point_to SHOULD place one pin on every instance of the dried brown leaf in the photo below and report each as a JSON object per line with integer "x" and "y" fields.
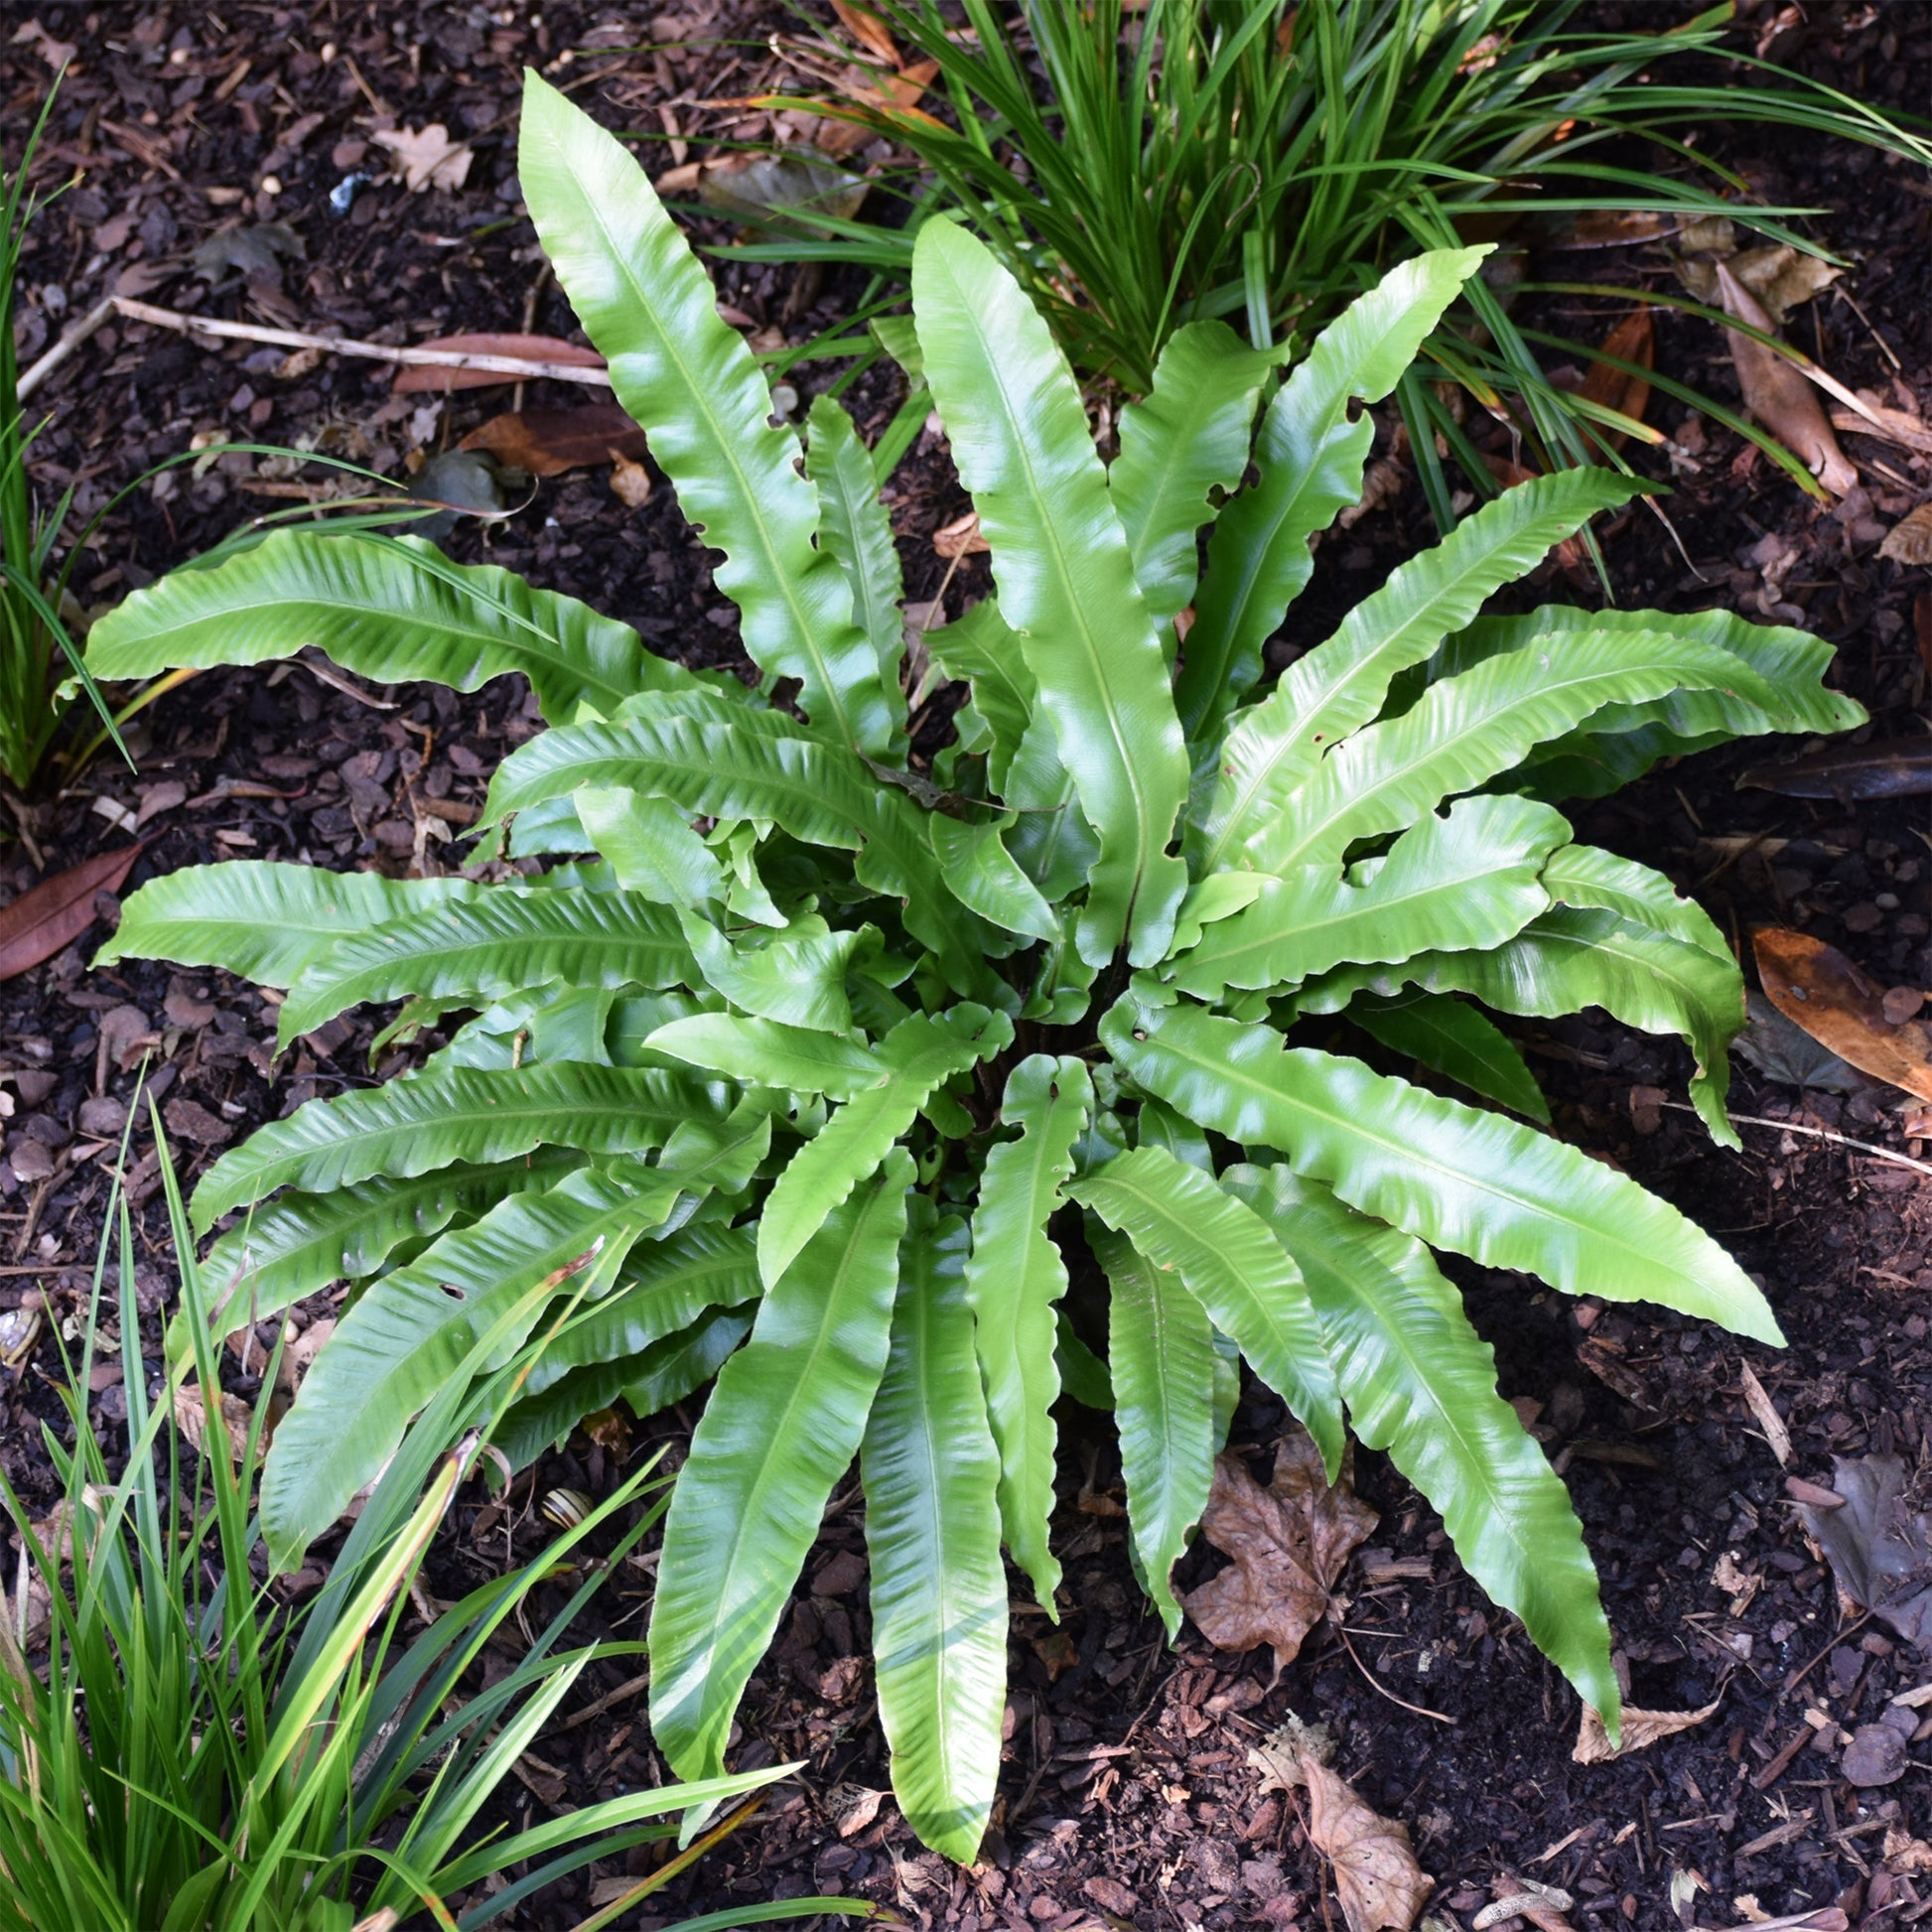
{"x": 299, "y": 1351}
{"x": 192, "y": 1419}
{"x": 1381, "y": 1887}
{"x": 1290, "y": 1542}
{"x": 629, "y": 483}
{"x": 1277, "y": 1757}
{"x": 868, "y": 30}
{"x": 1880, "y": 1547}
{"x": 1777, "y": 394}
{"x": 1821, "y": 991}
{"x": 426, "y": 157}
{"x": 1909, "y": 541}
{"x": 1633, "y": 339}
{"x": 53, "y": 914}
{"x": 1891, "y": 768}
{"x": 548, "y": 441}
{"x": 425, "y": 378}
{"x": 961, "y": 537}
{"x": 1641, "y": 1728}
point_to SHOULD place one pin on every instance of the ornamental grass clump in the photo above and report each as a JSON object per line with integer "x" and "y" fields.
{"x": 809, "y": 1040}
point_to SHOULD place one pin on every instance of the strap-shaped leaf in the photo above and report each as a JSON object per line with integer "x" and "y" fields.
{"x": 413, "y": 1330}
{"x": 263, "y": 920}
{"x": 796, "y": 977}
{"x": 477, "y": 950}
{"x": 1781, "y": 689}
{"x": 1311, "y": 456}
{"x": 1176, "y": 1216}
{"x": 854, "y": 528}
{"x": 1454, "y": 1177}
{"x": 1020, "y": 439}
{"x": 687, "y": 376}
{"x": 910, "y": 1061}
{"x": 301, "y": 1243}
{"x": 781, "y": 1427}
{"x": 938, "y": 1590}
{"x": 1468, "y": 878}
{"x": 1585, "y": 875}
{"x": 1273, "y": 748}
{"x": 981, "y": 647}
{"x": 1567, "y": 960}
{"x": 1421, "y": 1384}
{"x": 649, "y": 846}
{"x": 768, "y": 1053}
{"x": 985, "y": 877}
{"x": 820, "y": 794}
{"x": 1467, "y": 730}
{"x": 1188, "y": 437}
{"x": 445, "y": 1115}
{"x": 1452, "y": 1038}
{"x": 660, "y": 1289}
{"x": 387, "y": 609}
{"x": 665, "y": 1372}
{"x": 1013, "y": 1279}
{"x": 1161, "y": 1356}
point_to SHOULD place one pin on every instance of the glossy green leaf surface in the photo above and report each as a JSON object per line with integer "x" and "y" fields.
{"x": 1020, "y": 437}
{"x": 1585, "y": 876}
{"x": 416, "y": 1327}
{"x": 913, "y": 1058}
{"x": 650, "y": 846}
{"x": 387, "y": 609}
{"x": 1013, "y": 1278}
{"x": 475, "y": 950}
{"x": 1452, "y": 1038}
{"x": 1421, "y": 1384}
{"x": 782, "y": 1425}
{"x": 766, "y": 1052}
{"x": 1467, "y": 730}
{"x": 855, "y": 527}
{"x": 300, "y": 1243}
{"x": 795, "y": 977}
{"x": 938, "y": 1590}
{"x": 1274, "y": 749}
{"x": 1452, "y": 1176}
{"x": 1160, "y": 1357}
{"x": 1470, "y": 878}
{"x": 263, "y": 919}
{"x": 1311, "y": 456}
{"x": 1179, "y": 1220}
{"x": 1185, "y": 439}
{"x": 441, "y": 1116}
{"x": 688, "y": 377}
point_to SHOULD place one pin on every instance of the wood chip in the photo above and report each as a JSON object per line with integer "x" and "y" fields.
{"x": 1768, "y": 1418}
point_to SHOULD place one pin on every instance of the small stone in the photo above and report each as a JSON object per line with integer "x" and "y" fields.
{"x": 1900, "y": 1004}
{"x": 1875, "y": 1756}
{"x": 33, "y": 1161}
{"x": 104, "y": 1117}
{"x": 1863, "y": 917}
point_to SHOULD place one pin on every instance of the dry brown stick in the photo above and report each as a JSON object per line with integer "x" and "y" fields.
{"x": 1818, "y": 1134}
{"x": 524, "y": 367}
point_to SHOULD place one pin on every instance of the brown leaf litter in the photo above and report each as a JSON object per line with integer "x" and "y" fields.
{"x": 1641, "y": 1730}
{"x": 1377, "y": 1879}
{"x": 1878, "y": 1546}
{"x": 1290, "y": 1542}
{"x": 1777, "y": 392}
{"x": 1816, "y": 988}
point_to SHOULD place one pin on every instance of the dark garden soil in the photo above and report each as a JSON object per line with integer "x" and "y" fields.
{"x": 1128, "y": 1796}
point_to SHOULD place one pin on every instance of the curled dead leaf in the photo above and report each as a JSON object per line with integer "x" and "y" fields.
{"x": 1641, "y": 1728}
{"x": 1290, "y": 1542}
{"x": 961, "y": 537}
{"x": 1377, "y": 1879}
{"x": 1821, "y": 991}
{"x": 1909, "y": 541}
{"x": 1277, "y": 1757}
{"x": 629, "y": 483}
{"x": 1777, "y": 392}
{"x": 192, "y": 1419}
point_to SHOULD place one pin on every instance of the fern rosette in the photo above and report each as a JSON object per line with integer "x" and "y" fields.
{"x": 781, "y": 1080}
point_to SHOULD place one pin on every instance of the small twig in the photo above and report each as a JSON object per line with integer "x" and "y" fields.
{"x": 629, "y": 1689}
{"x": 1441, "y": 1717}
{"x": 1817, "y": 1134}
{"x": 522, "y": 368}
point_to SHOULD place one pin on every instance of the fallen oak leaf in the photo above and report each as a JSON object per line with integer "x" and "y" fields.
{"x": 1777, "y": 394}
{"x": 1641, "y": 1730}
{"x": 426, "y": 157}
{"x": 1377, "y": 1879}
{"x": 1821, "y": 991}
{"x": 49, "y": 916}
{"x": 1290, "y": 1542}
